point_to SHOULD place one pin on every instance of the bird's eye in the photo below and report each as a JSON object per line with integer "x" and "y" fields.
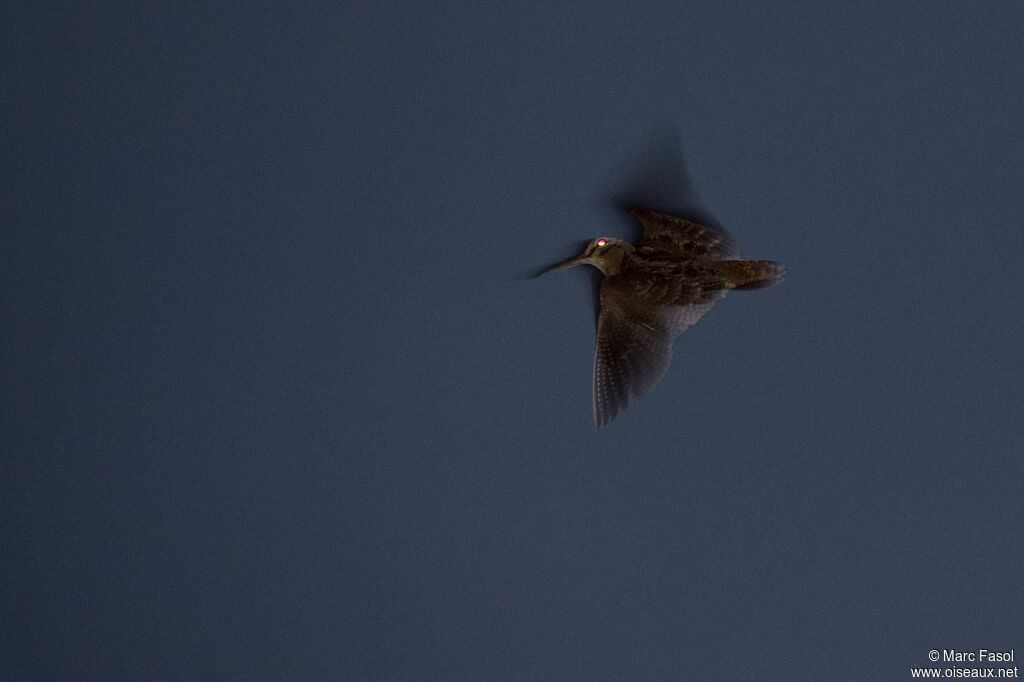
{"x": 601, "y": 242}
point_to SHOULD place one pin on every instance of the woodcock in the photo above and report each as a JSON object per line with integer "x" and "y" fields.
{"x": 651, "y": 292}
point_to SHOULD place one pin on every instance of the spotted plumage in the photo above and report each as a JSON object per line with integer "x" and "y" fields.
{"x": 651, "y": 292}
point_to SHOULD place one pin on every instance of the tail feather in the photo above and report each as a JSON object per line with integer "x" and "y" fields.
{"x": 754, "y": 274}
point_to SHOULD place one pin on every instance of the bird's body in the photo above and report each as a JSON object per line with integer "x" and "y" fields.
{"x": 651, "y": 292}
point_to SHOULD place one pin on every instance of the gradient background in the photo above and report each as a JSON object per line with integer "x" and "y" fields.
{"x": 279, "y": 403}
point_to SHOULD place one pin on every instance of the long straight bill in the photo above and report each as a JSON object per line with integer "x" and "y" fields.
{"x": 578, "y": 260}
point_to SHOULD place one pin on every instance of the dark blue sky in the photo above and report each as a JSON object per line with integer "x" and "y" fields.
{"x": 279, "y": 402}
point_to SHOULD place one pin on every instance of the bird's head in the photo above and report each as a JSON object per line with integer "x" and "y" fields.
{"x": 604, "y": 253}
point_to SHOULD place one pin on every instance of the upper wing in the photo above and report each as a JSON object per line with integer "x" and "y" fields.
{"x": 682, "y": 237}
{"x": 634, "y": 344}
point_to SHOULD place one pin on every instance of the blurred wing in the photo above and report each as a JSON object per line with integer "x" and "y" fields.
{"x": 682, "y": 237}
{"x": 679, "y": 318}
{"x": 634, "y": 345}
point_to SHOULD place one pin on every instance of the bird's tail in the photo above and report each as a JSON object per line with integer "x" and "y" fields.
{"x": 751, "y": 274}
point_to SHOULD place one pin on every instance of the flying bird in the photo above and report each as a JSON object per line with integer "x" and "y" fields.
{"x": 650, "y": 293}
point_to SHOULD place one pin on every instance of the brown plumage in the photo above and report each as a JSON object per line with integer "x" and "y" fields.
{"x": 651, "y": 292}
